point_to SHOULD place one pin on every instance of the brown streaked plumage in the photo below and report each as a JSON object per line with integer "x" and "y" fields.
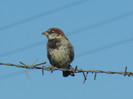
{"x": 60, "y": 52}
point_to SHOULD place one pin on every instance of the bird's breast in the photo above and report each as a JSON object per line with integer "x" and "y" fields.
{"x": 59, "y": 53}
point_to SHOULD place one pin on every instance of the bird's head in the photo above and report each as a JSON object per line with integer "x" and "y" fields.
{"x": 53, "y": 33}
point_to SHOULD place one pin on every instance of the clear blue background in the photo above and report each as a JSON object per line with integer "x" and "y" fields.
{"x": 101, "y": 32}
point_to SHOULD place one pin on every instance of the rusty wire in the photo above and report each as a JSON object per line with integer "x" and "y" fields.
{"x": 74, "y": 70}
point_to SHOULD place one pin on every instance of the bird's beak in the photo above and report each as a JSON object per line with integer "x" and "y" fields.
{"x": 45, "y": 33}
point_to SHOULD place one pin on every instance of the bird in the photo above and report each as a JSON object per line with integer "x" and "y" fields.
{"x": 60, "y": 51}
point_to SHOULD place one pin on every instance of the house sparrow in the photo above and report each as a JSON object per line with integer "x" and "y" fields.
{"x": 60, "y": 52}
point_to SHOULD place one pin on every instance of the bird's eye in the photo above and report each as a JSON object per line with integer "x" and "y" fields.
{"x": 52, "y": 31}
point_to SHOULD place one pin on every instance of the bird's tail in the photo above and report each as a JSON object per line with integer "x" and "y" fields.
{"x": 67, "y": 73}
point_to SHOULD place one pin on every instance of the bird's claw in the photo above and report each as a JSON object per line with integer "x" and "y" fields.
{"x": 72, "y": 71}
{"x": 52, "y": 69}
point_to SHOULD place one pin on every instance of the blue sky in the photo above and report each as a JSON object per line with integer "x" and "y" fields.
{"x": 101, "y": 32}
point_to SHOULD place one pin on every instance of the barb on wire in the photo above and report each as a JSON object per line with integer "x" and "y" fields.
{"x": 26, "y": 69}
{"x": 74, "y": 70}
{"x": 95, "y": 76}
{"x": 125, "y": 71}
{"x": 43, "y": 70}
{"x": 85, "y": 77}
{"x": 27, "y": 73}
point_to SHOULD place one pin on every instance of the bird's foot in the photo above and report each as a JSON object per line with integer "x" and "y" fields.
{"x": 52, "y": 69}
{"x": 73, "y": 70}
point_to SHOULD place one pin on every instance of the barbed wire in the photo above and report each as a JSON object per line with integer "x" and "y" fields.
{"x": 78, "y": 55}
{"x": 73, "y": 32}
{"x": 74, "y": 70}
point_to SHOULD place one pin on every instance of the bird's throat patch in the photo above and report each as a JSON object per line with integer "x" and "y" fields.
{"x": 54, "y": 43}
